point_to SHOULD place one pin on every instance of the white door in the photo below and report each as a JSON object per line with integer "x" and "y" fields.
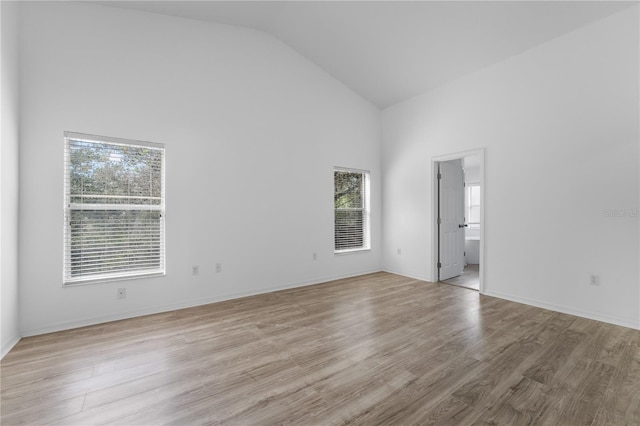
{"x": 451, "y": 214}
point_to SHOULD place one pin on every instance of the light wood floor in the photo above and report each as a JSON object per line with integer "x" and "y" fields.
{"x": 376, "y": 349}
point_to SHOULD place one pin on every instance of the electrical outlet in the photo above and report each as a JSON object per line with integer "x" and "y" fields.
{"x": 594, "y": 280}
{"x": 122, "y": 293}
{"x": 195, "y": 270}
{"x": 218, "y": 267}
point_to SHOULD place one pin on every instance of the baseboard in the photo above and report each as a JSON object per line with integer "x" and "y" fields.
{"x": 6, "y": 347}
{"x": 67, "y": 325}
{"x": 404, "y": 274}
{"x": 541, "y": 304}
{"x": 565, "y": 309}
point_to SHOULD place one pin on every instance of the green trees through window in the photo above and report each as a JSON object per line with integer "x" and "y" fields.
{"x": 114, "y": 216}
{"x": 114, "y": 174}
{"x": 351, "y": 220}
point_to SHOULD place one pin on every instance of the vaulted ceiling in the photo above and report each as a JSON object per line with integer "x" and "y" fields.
{"x": 389, "y": 51}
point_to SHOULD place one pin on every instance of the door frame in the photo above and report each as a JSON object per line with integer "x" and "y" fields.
{"x": 480, "y": 152}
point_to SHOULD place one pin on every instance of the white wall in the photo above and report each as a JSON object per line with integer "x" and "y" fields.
{"x": 471, "y": 174}
{"x": 560, "y": 126}
{"x": 9, "y": 177}
{"x": 252, "y": 133}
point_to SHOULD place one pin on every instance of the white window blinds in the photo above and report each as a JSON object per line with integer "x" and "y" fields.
{"x": 351, "y": 201}
{"x": 114, "y": 209}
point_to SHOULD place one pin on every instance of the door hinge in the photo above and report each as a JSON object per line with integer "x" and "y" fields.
{"x": 439, "y": 221}
{"x": 439, "y": 265}
{"x": 439, "y": 175}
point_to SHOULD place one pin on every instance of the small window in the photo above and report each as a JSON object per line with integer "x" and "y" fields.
{"x": 473, "y": 205}
{"x": 351, "y": 201}
{"x": 114, "y": 209}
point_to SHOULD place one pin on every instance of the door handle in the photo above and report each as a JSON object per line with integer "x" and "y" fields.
{"x": 463, "y": 226}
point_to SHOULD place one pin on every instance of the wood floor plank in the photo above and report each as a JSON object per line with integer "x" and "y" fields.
{"x": 373, "y": 349}
{"x": 450, "y": 411}
{"x": 579, "y": 399}
{"x": 605, "y": 418}
{"x": 623, "y": 395}
{"x": 44, "y": 413}
{"x": 554, "y": 357}
{"x": 520, "y": 405}
{"x": 476, "y": 391}
{"x": 415, "y": 401}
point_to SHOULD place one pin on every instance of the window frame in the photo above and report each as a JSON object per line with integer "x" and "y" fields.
{"x": 468, "y": 197}
{"x": 67, "y": 279}
{"x": 366, "y": 209}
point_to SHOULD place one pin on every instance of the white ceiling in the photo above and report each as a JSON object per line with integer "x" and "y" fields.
{"x": 388, "y": 51}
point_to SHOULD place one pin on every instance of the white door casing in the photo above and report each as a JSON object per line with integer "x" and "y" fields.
{"x": 451, "y": 214}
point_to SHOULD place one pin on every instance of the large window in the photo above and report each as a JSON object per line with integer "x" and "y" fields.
{"x": 114, "y": 209}
{"x": 351, "y": 201}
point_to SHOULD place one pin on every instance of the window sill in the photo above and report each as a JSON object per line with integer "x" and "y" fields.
{"x": 351, "y": 251}
{"x": 106, "y": 279}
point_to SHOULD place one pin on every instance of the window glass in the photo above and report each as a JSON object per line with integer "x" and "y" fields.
{"x": 351, "y": 210}
{"x": 114, "y": 209}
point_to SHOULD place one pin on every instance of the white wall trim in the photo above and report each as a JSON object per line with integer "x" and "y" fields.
{"x": 566, "y": 309}
{"x": 6, "y": 347}
{"x": 67, "y": 325}
{"x": 404, "y": 274}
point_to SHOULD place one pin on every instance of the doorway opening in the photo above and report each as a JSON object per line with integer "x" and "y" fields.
{"x": 458, "y": 212}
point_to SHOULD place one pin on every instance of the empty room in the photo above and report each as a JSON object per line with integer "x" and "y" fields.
{"x": 320, "y": 212}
